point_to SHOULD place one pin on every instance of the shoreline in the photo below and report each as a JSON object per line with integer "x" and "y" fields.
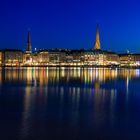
{"x": 72, "y": 66}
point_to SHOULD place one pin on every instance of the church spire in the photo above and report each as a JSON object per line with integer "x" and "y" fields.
{"x": 97, "y": 41}
{"x": 28, "y": 48}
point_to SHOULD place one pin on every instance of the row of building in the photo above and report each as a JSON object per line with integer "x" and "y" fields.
{"x": 65, "y": 57}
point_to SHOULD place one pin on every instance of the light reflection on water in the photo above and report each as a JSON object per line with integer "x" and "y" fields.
{"x": 58, "y": 100}
{"x": 85, "y": 75}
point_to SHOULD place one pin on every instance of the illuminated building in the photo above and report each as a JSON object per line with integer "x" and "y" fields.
{"x": 12, "y": 57}
{"x": 101, "y": 58}
{"x": 35, "y": 59}
{"x": 43, "y": 57}
{"x": 137, "y": 59}
{"x": 111, "y": 59}
{"x": 57, "y": 57}
{"x": 69, "y": 58}
{"x": 75, "y": 57}
{"x": 28, "y": 58}
{"x": 126, "y": 59}
{"x": 90, "y": 58}
{"x": 0, "y": 58}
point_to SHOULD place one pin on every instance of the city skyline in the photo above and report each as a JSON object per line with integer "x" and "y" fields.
{"x": 70, "y": 24}
{"x": 69, "y": 69}
{"x": 97, "y": 45}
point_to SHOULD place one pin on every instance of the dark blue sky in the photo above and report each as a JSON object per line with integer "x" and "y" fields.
{"x": 70, "y": 23}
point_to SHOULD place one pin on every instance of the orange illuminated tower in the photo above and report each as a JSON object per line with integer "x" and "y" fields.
{"x": 28, "y": 47}
{"x": 97, "y": 41}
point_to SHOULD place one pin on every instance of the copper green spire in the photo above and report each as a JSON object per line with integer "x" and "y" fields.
{"x": 97, "y": 41}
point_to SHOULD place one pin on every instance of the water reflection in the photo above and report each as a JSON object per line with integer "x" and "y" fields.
{"x": 88, "y": 97}
{"x": 44, "y": 76}
{"x": 26, "y": 113}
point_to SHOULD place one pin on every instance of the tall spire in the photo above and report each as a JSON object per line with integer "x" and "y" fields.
{"x": 28, "y": 48}
{"x": 97, "y": 41}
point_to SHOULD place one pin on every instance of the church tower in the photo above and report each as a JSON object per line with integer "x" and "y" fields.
{"x": 28, "y": 56}
{"x": 97, "y": 41}
{"x": 28, "y": 47}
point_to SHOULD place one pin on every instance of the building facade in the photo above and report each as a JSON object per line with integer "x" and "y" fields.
{"x": 0, "y": 58}
{"x": 12, "y": 57}
{"x": 43, "y": 57}
{"x": 126, "y": 59}
{"x": 111, "y": 59}
{"x": 137, "y": 59}
{"x": 129, "y": 60}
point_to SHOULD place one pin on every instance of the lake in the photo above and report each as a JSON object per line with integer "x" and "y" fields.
{"x": 69, "y": 104}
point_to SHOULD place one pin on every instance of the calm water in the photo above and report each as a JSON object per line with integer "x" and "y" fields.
{"x": 69, "y": 104}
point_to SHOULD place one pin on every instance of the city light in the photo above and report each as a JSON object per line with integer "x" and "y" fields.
{"x": 95, "y": 57}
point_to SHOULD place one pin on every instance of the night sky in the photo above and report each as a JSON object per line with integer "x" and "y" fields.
{"x": 70, "y": 24}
